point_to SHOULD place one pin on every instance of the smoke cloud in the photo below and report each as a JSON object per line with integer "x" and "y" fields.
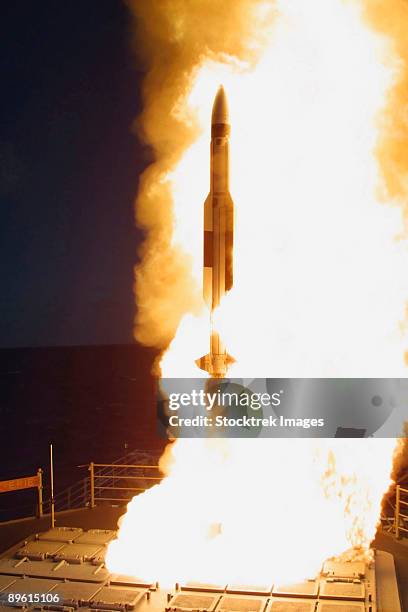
{"x": 391, "y": 19}
{"x": 321, "y": 284}
{"x": 392, "y": 151}
{"x": 173, "y": 38}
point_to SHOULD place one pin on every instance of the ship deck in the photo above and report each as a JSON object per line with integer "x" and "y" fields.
{"x": 67, "y": 563}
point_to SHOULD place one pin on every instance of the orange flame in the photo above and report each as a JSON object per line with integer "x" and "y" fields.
{"x": 254, "y": 511}
{"x": 320, "y": 282}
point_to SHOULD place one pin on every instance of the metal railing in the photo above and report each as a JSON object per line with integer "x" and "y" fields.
{"x": 394, "y": 519}
{"x": 79, "y": 495}
{"x": 401, "y": 518}
{"x": 122, "y": 483}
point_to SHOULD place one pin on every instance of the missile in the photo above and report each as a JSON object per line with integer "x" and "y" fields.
{"x": 218, "y": 234}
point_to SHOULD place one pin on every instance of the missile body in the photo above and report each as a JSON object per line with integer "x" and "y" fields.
{"x": 218, "y": 234}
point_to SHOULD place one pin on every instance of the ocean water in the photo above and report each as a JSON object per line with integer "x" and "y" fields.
{"x": 93, "y": 403}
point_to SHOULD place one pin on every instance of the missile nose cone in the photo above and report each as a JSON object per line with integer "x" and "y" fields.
{"x": 220, "y": 108}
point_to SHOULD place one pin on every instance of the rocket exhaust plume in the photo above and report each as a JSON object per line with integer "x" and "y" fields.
{"x": 319, "y": 170}
{"x": 313, "y": 96}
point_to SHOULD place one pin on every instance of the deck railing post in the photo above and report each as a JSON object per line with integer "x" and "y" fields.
{"x": 397, "y": 511}
{"x": 92, "y": 479}
{"x": 52, "y": 487}
{"x": 40, "y": 493}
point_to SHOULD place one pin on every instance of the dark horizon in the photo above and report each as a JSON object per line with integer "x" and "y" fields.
{"x": 70, "y": 164}
{"x": 72, "y": 346}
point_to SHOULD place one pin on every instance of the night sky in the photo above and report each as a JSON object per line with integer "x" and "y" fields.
{"x": 69, "y": 168}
